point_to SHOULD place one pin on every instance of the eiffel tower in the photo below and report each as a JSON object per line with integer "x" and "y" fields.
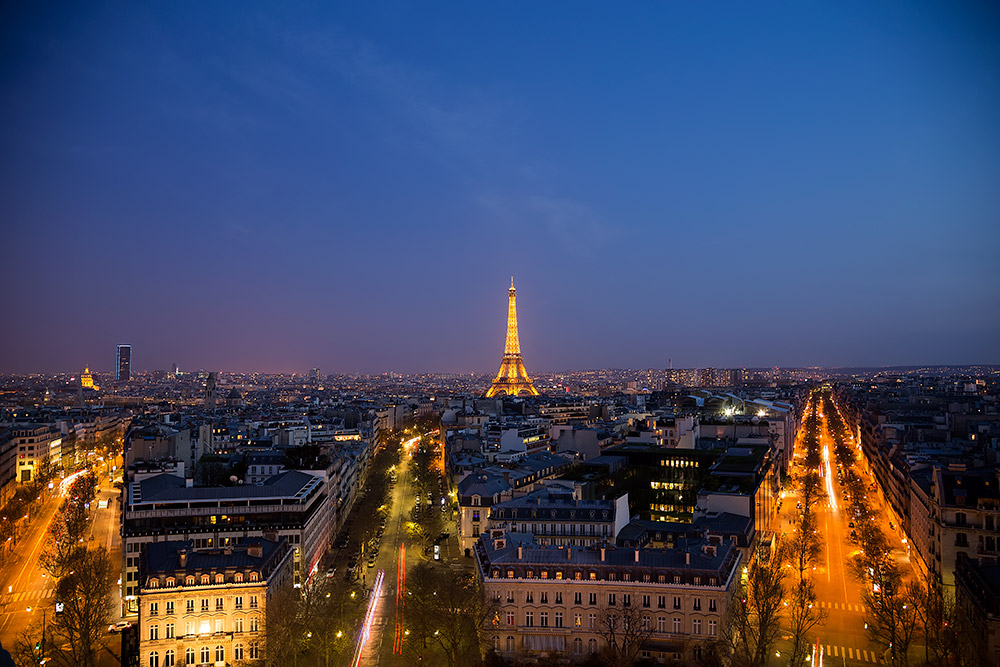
{"x": 512, "y": 379}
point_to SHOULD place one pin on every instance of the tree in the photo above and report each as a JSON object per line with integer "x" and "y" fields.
{"x": 284, "y": 628}
{"x": 891, "y": 618}
{"x": 29, "y": 647}
{"x": 623, "y": 629}
{"x": 755, "y": 614}
{"x": 803, "y": 615}
{"x": 938, "y": 618}
{"x": 330, "y": 615}
{"x": 61, "y": 551}
{"x": 803, "y": 548}
{"x": 446, "y": 613}
{"x": 81, "y": 628}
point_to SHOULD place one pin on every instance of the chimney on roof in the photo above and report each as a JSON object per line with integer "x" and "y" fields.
{"x": 188, "y": 482}
{"x": 602, "y": 554}
{"x": 182, "y": 554}
{"x": 569, "y": 553}
{"x": 637, "y": 554}
{"x": 520, "y": 552}
{"x": 687, "y": 557}
{"x": 255, "y": 550}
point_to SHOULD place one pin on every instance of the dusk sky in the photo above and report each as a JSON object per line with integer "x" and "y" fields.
{"x": 268, "y": 186}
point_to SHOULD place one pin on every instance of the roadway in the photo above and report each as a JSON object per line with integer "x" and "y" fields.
{"x": 27, "y": 590}
{"x": 843, "y": 635}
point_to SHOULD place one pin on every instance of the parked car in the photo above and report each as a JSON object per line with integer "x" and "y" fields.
{"x": 119, "y": 626}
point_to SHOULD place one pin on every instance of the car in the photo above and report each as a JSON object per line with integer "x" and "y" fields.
{"x": 119, "y": 626}
{"x": 330, "y": 572}
{"x": 371, "y": 562}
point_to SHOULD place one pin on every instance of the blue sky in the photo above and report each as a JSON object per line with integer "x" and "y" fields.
{"x": 243, "y": 186}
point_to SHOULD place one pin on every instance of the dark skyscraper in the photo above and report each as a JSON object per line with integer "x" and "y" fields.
{"x": 123, "y": 369}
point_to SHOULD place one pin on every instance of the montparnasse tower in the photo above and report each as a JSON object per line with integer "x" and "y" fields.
{"x": 512, "y": 379}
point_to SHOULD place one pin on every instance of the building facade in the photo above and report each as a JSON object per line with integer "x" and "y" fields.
{"x": 209, "y": 606}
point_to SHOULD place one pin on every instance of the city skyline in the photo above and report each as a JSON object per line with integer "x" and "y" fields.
{"x": 237, "y": 187}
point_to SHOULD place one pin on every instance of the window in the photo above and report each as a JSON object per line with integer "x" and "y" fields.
{"x": 961, "y": 540}
{"x": 591, "y": 646}
{"x": 529, "y": 597}
{"x": 238, "y": 652}
{"x": 171, "y": 582}
{"x": 645, "y": 623}
{"x": 204, "y": 604}
{"x": 510, "y": 618}
{"x": 189, "y": 580}
{"x": 510, "y": 644}
{"x": 577, "y": 598}
{"x": 219, "y": 604}
{"x": 154, "y": 608}
{"x": 661, "y": 601}
{"x": 544, "y": 616}
{"x": 205, "y": 579}
{"x": 626, "y": 599}
{"x": 558, "y": 598}
{"x": 529, "y": 618}
{"x": 205, "y": 653}
{"x": 577, "y": 620}
{"x": 220, "y": 654}
{"x": 661, "y": 624}
{"x": 697, "y": 581}
{"x": 238, "y": 602}
{"x": 238, "y": 578}
{"x": 168, "y": 631}
{"x": 676, "y": 625}
{"x": 611, "y": 599}
{"x": 154, "y": 659}
{"x": 189, "y": 607}
{"x": 154, "y": 632}
{"x": 677, "y": 602}
{"x": 189, "y": 656}
{"x": 220, "y": 578}
{"x": 254, "y": 651}
{"x": 238, "y": 624}
{"x": 254, "y": 577}
{"x": 713, "y": 628}
{"x": 168, "y": 658}
{"x": 696, "y": 626}
{"x": 697, "y": 604}
{"x": 545, "y": 598}
{"x": 189, "y": 628}
{"x": 645, "y": 602}
{"x": 218, "y": 624}
{"x": 593, "y": 598}
{"x": 253, "y": 601}
{"x": 711, "y": 605}
{"x": 170, "y": 608}
{"x": 959, "y": 519}
{"x": 254, "y": 624}
{"x": 577, "y": 646}
{"x": 591, "y": 621}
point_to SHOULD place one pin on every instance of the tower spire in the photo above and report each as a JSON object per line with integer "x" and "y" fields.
{"x": 512, "y": 379}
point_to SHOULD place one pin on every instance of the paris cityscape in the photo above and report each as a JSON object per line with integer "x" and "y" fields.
{"x": 489, "y": 336}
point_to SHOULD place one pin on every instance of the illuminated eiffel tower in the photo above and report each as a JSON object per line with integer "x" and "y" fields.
{"x": 512, "y": 379}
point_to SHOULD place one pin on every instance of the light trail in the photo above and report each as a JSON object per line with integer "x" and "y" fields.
{"x": 64, "y": 486}
{"x": 397, "y": 642}
{"x": 369, "y": 617}
{"x": 829, "y": 478}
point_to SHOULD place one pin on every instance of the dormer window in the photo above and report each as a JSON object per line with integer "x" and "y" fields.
{"x": 205, "y": 579}
{"x": 254, "y": 576}
{"x": 220, "y": 578}
{"x": 476, "y": 501}
{"x": 171, "y": 582}
{"x": 238, "y": 577}
{"x": 189, "y": 580}
{"x": 154, "y": 583}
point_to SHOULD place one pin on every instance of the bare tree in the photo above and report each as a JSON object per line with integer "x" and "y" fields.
{"x": 802, "y": 550}
{"x": 85, "y": 592}
{"x": 890, "y": 616}
{"x": 284, "y": 629}
{"x": 330, "y": 615}
{"x": 803, "y": 616}
{"x": 756, "y": 612}
{"x": 29, "y": 647}
{"x": 624, "y": 629}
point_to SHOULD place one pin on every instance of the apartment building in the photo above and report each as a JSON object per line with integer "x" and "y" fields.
{"x": 209, "y": 606}
{"x": 553, "y": 598}
{"x": 294, "y": 505}
{"x": 36, "y": 444}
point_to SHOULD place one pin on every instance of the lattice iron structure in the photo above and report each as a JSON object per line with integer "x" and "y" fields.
{"x": 512, "y": 379}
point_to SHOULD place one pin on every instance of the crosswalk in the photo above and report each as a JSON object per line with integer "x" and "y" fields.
{"x": 850, "y": 653}
{"x": 28, "y": 596}
{"x": 843, "y": 606}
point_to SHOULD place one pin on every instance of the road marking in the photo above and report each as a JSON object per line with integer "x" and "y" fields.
{"x": 866, "y": 655}
{"x": 850, "y": 653}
